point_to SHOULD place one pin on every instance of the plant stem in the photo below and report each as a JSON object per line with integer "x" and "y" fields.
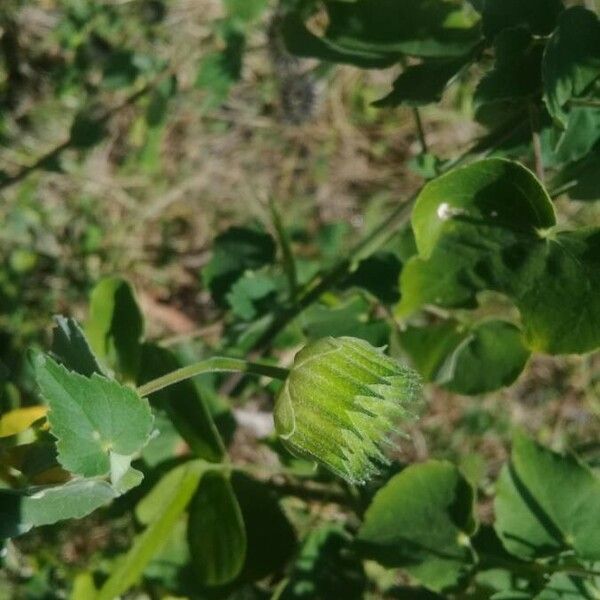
{"x": 533, "y": 567}
{"x": 420, "y": 130}
{"x": 535, "y": 139}
{"x": 216, "y": 364}
{"x": 586, "y": 102}
{"x": 373, "y": 241}
{"x": 289, "y": 264}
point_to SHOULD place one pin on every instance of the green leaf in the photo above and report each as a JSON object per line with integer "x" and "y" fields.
{"x": 247, "y": 292}
{"x": 218, "y": 71}
{"x": 246, "y": 11}
{"x": 270, "y": 537}
{"x": 539, "y": 15}
{"x": 547, "y": 503}
{"x": 97, "y": 422}
{"x": 421, "y": 521}
{"x": 216, "y": 533}
{"x": 568, "y": 587}
{"x": 236, "y": 250}
{"x": 327, "y": 567}
{"x": 350, "y": 318}
{"x": 70, "y": 347}
{"x": 115, "y": 325}
{"x": 424, "y": 83}
{"x": 86, "y": 131}
{"x": 21, "y": 510}
{"x": 572, "y": 60}
{"x": 120, "y": 69}
{"x": 516, "y": 77}
{"x": 483, "y": 227}
{"x": 495, "y": 191}
{"x": 183, "y": 404}
{"x": 159, "y": 100}
{"x": 467, "y": 359}
{"x": 299, "y": 40}
{"x": 580, "y": 136}
{"x": 378, "y": 275}
{"x": 435, "y": 28}
{"x": 129, "y": 568}
{"x": 581, "y": 179}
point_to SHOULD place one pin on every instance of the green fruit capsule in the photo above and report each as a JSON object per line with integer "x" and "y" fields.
{"x": 341, "y": 403}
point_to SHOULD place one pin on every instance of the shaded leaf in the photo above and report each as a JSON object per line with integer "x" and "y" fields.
{"x": 327, "y": 567}
{"x": 540, "y": 16}
{"x": 349, "y": 318}
{"x": 487, "y": 226}
{"x": 377, "y": 274}
{"x": 547, "y": 503}
{"x": 183, "y": 403}
{"x": 236, "y": 250}
{"x": 516, "y": 75}
{"x": 120, "y": 70}
{"x": 218, "y": 71}
{"x": 581, "y": 134}
{"x": 248, "y": 291}
{"x": 467, "y": 359}
{"x": 424, "y": 83}
{"x": 115, "y": 325}
{"x": 572, "y": 59}
{"x": 434, "y": 28}
{"x": 581, "y": 179}
{"x": 70, "y": 347}
{"x": 86, "y": 131}
{"x": 271, "y": 540}
{"x": 21, "y": 510}
{"x": 302, "y": 42}
{"x": 245, "y": 10}
{"x": 421, "y": 521}
{"x": 563, "y": 586}
{"x": 216, "y": 533}
{"x": 129, "y": 568}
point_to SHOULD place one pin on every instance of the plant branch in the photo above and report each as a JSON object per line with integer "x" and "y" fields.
{"x": 216, "y": 364}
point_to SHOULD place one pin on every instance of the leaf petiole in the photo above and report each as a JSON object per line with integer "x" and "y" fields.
{"x": 215, "y": 364}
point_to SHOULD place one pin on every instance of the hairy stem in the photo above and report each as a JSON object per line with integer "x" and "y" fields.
{"x": 216, "y": 364}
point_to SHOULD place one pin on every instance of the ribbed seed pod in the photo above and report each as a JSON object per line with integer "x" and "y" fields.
{"x": 341, "y": 402}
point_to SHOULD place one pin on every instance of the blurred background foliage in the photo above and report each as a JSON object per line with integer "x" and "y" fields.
{"x": 179, "y": 144}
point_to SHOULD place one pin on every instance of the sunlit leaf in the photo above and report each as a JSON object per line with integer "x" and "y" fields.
{"x": 489, "y": 226}
{"x": 98, "y": 423}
